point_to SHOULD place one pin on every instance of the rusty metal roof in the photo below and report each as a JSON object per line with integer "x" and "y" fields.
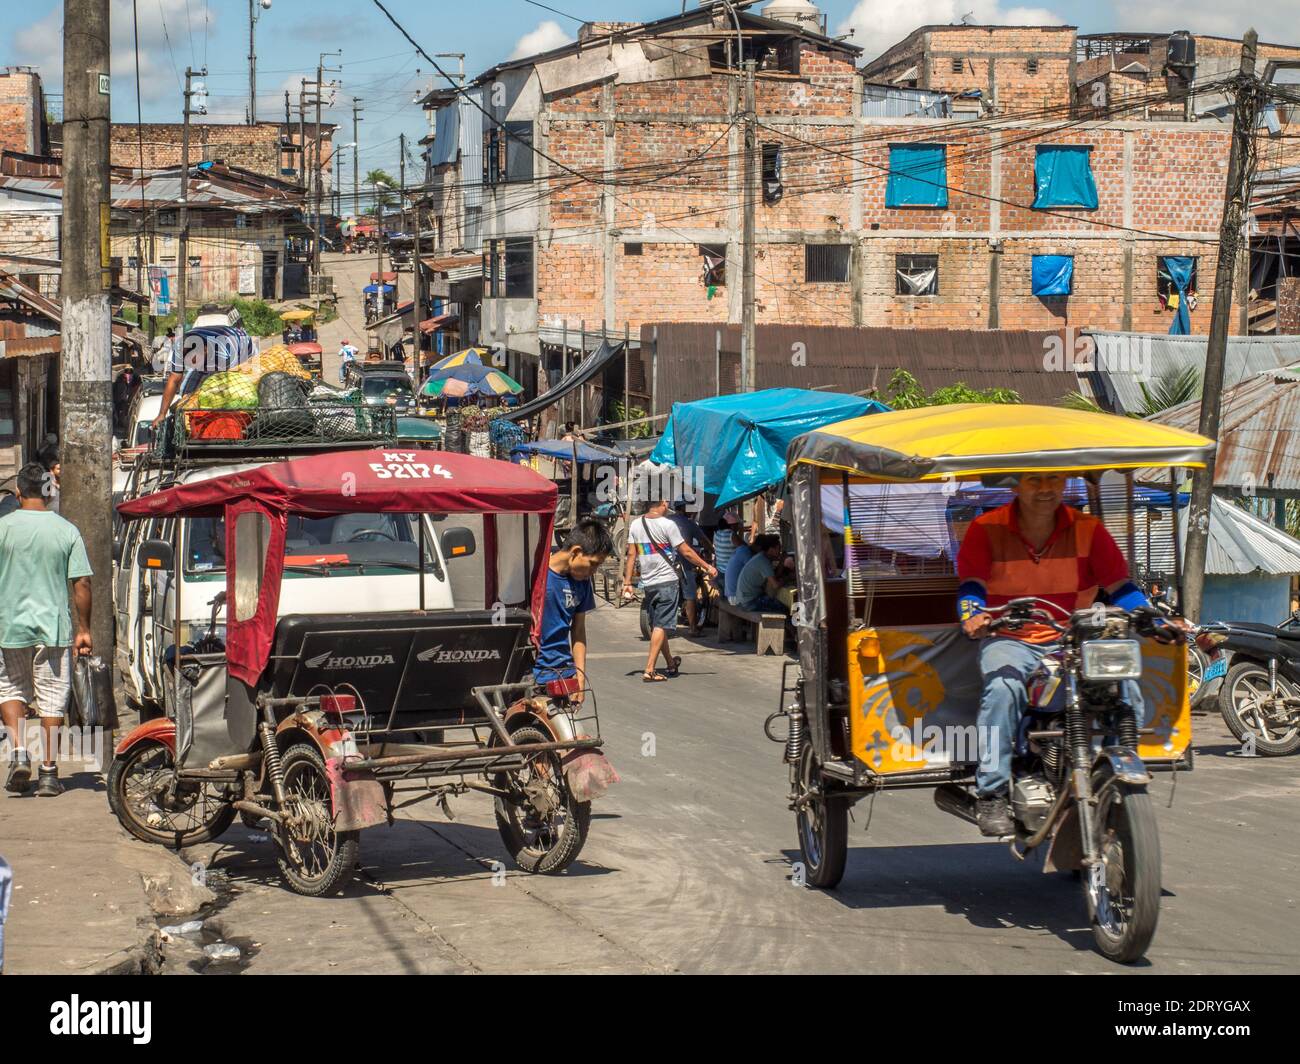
{"x": 1259, "y": 432}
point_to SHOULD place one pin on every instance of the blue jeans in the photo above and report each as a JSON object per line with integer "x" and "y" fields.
{"x": 1005, "y": 665}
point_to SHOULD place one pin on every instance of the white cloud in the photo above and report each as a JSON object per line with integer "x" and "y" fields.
{"x": 880, "y": 24}
{"x": 546, "y": 36}
{"x": 40, "y": 45}
{"x": 1275, "y": 20}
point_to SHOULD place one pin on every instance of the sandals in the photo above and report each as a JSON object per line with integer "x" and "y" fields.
{"x": 675, "y": 668}
{"x": 653, "y": 677}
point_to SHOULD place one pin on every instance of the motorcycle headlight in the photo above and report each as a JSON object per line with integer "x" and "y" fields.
{"x": 1112, "y": 659}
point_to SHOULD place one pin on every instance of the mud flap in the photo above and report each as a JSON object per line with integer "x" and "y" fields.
{"x": 357, "y": 797}
{"x": 1065, "y": 852}
{"x": 588, "y": 773}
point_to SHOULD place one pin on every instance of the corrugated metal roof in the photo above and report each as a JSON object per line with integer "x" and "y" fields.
{"x": 892, "y": 101}
{"x": 1124, "y": 361}
{"x": 1259, "y": 432}
{"x": 1239, "y": 544}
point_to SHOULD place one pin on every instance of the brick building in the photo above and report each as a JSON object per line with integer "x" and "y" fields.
{"x": 601, "y": 184}
{"x": 273, "y": 149}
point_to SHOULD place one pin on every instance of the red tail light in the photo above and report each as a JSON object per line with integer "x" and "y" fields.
{"x": 338, "y": 703}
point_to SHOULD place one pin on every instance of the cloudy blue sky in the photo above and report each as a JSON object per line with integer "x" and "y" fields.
{"x": 386, "y": 73}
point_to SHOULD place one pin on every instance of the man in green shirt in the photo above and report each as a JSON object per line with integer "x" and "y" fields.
{"x": 39, "y": 553}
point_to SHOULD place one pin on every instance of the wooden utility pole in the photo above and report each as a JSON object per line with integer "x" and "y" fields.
{"x": 85, "y": 361}
{"x": 1236, "y": 199}
{"x": 748, "y": 355}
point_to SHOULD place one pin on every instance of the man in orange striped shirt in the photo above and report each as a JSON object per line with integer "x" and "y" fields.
{"x": 1035, "y": 545}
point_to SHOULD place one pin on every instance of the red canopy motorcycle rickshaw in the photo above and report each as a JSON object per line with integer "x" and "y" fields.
{"x": 314, "y": 723}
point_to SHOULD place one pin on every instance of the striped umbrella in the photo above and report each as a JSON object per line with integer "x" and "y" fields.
{"x": 471, "y": 356}
{"x": 470, "y": 380}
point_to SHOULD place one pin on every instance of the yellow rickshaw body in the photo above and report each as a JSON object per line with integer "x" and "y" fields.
{"x": 912, "y": 681}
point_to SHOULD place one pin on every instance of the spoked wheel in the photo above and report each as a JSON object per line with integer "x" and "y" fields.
{"x": 544, "y": 830}
{"x": 1196, "y": 666}
{"x": 823, "y": 824}
{"x": 1124, "y": 889}
{"x": 1244, "y": 703}
{"x": 314, "y": 859}
{"x": 153, "y": 806}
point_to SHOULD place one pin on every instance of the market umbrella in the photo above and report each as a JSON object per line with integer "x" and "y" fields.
{"x": 371, "y": 289}
{"x": 471, "y": 356}
{"x": 468, "y": 380}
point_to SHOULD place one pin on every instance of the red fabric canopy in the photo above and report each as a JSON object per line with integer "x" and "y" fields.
{"x": 389, "y": 277}
{"x": 383, "y": 480}
{"x": 305, "y": 347}
{"x": 368, "y": 481}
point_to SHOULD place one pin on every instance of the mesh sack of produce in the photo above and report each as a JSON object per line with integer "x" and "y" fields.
{"x": 227, "y": 390}
{"x": 275, "y": 359}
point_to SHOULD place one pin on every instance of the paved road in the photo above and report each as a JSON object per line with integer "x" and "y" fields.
{"x": 351, "y": 273}
{"x": 687, "y": 866}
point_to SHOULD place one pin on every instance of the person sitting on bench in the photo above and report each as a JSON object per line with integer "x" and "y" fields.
{"x": 761, "y": 580}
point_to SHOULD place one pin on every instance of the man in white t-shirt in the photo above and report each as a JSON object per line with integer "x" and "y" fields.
{"x": 653, "y": 544}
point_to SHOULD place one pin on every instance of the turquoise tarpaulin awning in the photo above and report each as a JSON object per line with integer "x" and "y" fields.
{"x": 1052, "y": 275}
{"x": 918, "y": 176}
{"x": 1063, "y": 176}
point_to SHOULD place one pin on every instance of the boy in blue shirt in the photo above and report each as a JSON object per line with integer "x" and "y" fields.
{"x": 562, "y": 647}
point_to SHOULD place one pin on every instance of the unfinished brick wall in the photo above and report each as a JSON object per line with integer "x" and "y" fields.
{"x": 255, "y": 148}
{"x": 34, "y": 233}
{"x": 21, "y": 116}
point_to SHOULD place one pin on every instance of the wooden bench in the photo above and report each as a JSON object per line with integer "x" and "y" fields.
{"x": 733, "y": 623}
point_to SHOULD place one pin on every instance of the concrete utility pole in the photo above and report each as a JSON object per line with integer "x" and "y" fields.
{"x": 417, "y": 281}
{"x": 401, "y": 177}
{"x": 1236, "y": 198}
{"x": 85, "y": 361}
{"x": 182, "y": 257}
{"x": 356, "y": 154}
{"x": 320, "y": 170}
{"x": 252, "y": 56}
{"x": 748, "y": 354}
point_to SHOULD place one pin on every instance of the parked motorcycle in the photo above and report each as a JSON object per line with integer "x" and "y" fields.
{"x": 1260, "y": 694}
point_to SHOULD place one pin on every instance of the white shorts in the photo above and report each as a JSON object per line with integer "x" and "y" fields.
{"x": 39, "y": 676}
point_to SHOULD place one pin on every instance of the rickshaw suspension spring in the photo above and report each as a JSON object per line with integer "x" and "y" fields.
{"x": 794, "y": 738}
{"x": 1076, "y": 731}
{"x": 274, "y": 769}
{"x": 1128, "y": 729}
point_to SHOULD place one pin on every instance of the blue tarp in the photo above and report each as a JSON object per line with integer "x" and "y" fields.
{"x": 563, "y": 450}
{"x": 918, "y": 176}
{"x": 1052, "y": 275}
{"x": 1179, "y": 269}
{"x": 1063, "y": 177}
{"x": 738, "y": 442}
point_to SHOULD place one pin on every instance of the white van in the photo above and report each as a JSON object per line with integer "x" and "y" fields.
{"x": 366, "y": 562}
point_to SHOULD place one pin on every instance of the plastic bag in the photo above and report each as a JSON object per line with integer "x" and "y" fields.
{"x": 588, "y": 774}
{"x": 92, "y": 692}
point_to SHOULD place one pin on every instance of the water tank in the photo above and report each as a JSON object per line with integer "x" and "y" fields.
{"x": 1181, "y": 54}
{"x": 799, "y": 13}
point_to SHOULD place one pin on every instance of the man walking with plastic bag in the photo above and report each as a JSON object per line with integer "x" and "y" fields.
{"x": 40, "y": 553}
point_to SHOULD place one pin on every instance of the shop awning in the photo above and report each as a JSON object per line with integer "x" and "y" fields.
{"x": 389, "y": 277}
{"x": 441, "y": 321}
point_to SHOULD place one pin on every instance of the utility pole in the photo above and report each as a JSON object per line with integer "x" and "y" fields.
{"x": 320, "y": 169}
{"x": 356, "y": 153}
{"x": 252, "y": 57}
{"x": 748, "y": 354}
{"x": 302, "y": 133}
{"x": 1236, "y": 198}
{"x": 85, "y": 361}
{"x": 182, "y": 258}
{"x": 417, "y": 281}
{"x": 401, "y": 177}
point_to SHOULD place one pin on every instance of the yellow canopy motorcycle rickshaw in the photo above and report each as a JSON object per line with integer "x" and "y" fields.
{"x": 889, "y": 687}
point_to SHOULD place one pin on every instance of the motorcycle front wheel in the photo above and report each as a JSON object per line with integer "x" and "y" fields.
{"x": 1124, "y": 890}
{"x": 1242, "y": 701}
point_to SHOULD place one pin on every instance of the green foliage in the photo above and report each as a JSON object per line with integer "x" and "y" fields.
{"x": 1079, "y": 401}
{"x": 904, "y": 392}
{"x": 1170, "y": 391}
{"x": 376, "y": 177}
{"x": 631, "y": 413}
{"x": 258, "y": 318}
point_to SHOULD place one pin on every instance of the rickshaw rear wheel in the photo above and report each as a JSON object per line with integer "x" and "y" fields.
{"x": 823, "y": 826}
{"x": 534, "y": 843}
{"x": 141, "y": 773}
{"x": 329, "y": 857}
{"x": 1129, "y": 843}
